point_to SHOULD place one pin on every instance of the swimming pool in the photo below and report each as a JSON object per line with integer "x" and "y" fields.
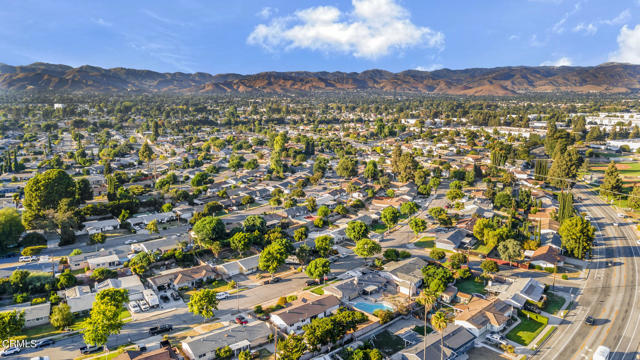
{"x": 370, "y": 308}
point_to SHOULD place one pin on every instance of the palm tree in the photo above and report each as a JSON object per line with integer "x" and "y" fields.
{"x": 426, "y": 299}
{"x": 439, "y": 321}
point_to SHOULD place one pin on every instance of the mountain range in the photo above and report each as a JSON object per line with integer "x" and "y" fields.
{"x": 607, "y": 78}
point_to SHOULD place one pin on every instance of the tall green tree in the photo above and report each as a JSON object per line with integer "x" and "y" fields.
{"x": 577, "y": 236}
{"x": 61, "y": 316}
{"x": 324, "y": 244}
{"x": 292, "y": 348}
{"x": 634, "y": 198}
{"x": 565, "y": 209}
{"x": 203, "y": 302}
{"x": 366, "y": 248}
{"x": 356, "y": 230}
{"x": 417, "y": 225}
{"x": 439, "y": 321}
{"x": 390, "y": 216}
{"x": 318, "y": 268}
{"x": 104, "y": 319}
{"x": 612, "y": 184}
{"x": 11, "y": 324}
{"x": 10, "y": 228}
{"x": 146, "y": 153}
{"x": 240, "y": 242}
{"x": 208, "y": 230}
{"x": 272, "y": 257}
{"x": 510, "y": 250}
{"x": 45, "y": 192}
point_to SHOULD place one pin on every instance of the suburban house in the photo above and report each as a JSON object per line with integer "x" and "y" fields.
{"x": 77, "y": 262}
{"x": 161, "y": 245}
{"x": 80, "y": 299}
{"x": 131, "y": 283}
{"x": 99, "y": 226}
{"x": 517, "y": 292}
{"x": 245, "y": 266}
{"x": 292, "y": 318}
{"x": 178, "y": 278}
{"x": 406, "y": 274}
{"x": 547, "y": 256}
{"x": 165, "y": 352}
{"x": 34, "y": 315}
{"x": 450, "y": 240}
{"x": 107, "y": 261}
{"x": 237, "y": 337}
{"x": 480, "y": 315}
{"x": 457, "y": 341}
{"x": 361, "y": 284}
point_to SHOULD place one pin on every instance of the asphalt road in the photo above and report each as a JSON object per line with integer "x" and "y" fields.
{"x": 609, "y": 295}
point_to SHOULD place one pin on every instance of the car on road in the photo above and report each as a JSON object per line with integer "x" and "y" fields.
{"x": 175, "y": 296}
{"x": 90, "y": 349}
{"x": 271, "y": 281}
{"x": 601, "y": 353}
{"x": 241, "y": 320}
{"x": 222, "y": 295}
{"x": 10, "y": 351}
{"x": 156, "y": 330}
{"x": 130, "y": 241}
{"x": 165, "y": 298}
{"x": 589, "y": 320}
{"x": 28, "y": 258}
{"x": 43, "y": 343}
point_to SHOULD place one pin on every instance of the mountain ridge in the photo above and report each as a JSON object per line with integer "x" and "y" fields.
{"x": 499, "y": 81}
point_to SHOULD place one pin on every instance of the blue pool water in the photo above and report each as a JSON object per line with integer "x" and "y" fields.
{"x": 369, "y": 307}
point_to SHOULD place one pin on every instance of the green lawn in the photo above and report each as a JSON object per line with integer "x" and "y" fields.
{"x": 470, "y": 286}
{"x": 554, "y": 303}
{"x": 426, "y": 242}
{"x": 525, "y": 331}
{"x": 545, "y": 336}
{"x": 46, "y": 330}
{"x": 379, "y": 227}
{"x": 388, "y": 343}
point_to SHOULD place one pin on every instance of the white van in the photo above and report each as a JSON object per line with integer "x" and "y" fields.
{"x": 601, "y": 353}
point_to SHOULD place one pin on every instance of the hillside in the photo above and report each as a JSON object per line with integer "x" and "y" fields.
{"x": 503, "y": 81}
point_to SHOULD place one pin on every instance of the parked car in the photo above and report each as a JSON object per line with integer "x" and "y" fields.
{"x": 175, "y": 296}
{"x": 160, "y": 329}
{"x": 241, "y": 320}
{"x": 10, "y": 351}
{"x": 90, "y": 349}
{"x": 164, "y": 298}
{"x": 143, "y": 305}
{"x": 222, "y": 295}
{"x": 43, "y": 343}
{"x": 25, "y": 259}
{"x": 532, "y": 308}
{"x": 589, "y": 320}
{"x": 133, "y": 306}
{"x": 263, "y": 317}
{"x": 310, "y": 282}
{"x": 497, "y": 338}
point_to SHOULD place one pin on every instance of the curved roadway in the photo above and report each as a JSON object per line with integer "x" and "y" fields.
{"x": 609, "y": 295}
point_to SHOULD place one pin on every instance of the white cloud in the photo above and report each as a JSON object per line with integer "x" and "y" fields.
{"x": 535, "y": 42}
{"x": 431, "y": 67}
{"x": 372, "y": 29}
{"x": 622, "y": 18}
{"x": 101, "y": 22}
{"x": 588, "y": 29}
{"x": 516, "y": 37}
{"x": 628, "y": 46}
{"x": 563, "y": 61}
{"x": 266, "y": 12}
{"x": 558, "y": 27}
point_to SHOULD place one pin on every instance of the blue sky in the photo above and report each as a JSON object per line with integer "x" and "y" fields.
{"x": 249, "y": 36}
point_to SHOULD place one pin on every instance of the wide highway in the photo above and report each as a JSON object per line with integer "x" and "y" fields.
{"x": 610, "y": 293}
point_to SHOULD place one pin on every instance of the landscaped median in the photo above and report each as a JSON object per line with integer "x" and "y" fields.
{"x": 530, "y": 326}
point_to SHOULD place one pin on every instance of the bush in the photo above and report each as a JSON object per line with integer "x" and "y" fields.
{"x": 282, "y": 301}
{"x": 258, "y": 309}
{"x": 565, "y": 277}
{"x": 36, "y": 301}
{"x": 549, "y": 270}
{"x": 32, "y": 239}
{"x": 391, "y": 254}
{"x": 538, "y": 267}
{"x": 291, "y": 298}
{"x": 33, "y": 250}
{"x": 224, "y": 352}
{"x": 464, "y": 273}
{"x": 20, "y": 298}
{"x": 404, "y": 254}
{"x": 437, "y": 254}
{"x": 384, "y": 315}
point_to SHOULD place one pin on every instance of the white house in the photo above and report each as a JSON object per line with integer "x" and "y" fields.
{"x": 108, "y": 261}
{"x": 131, "y": 283}
{"x": 406, "y": 274}
{"x": 99, "y": 226}
{"x": 237, "y": 337}
{"x": 292, "y": 318}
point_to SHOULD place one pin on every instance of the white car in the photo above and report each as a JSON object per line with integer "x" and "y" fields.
{"x": 130, "y": 241}
{"x": 621, "y": 215}
{"x": 25, "y": 259}
{"x": 11, "y": 351}
{"x": 134, "y": 307}
{"x": 144, "y": 306}
{"x": 616, "y": 224}
{"x": 222, "y": 295}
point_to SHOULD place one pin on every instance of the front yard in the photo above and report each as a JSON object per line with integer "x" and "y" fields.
{"x": 527, "y": 330}
{"x": 427, "y": 242}
{"x": 554, "y": 303}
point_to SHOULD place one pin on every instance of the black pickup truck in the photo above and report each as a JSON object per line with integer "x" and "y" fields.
{"x": 156, "y": 330}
